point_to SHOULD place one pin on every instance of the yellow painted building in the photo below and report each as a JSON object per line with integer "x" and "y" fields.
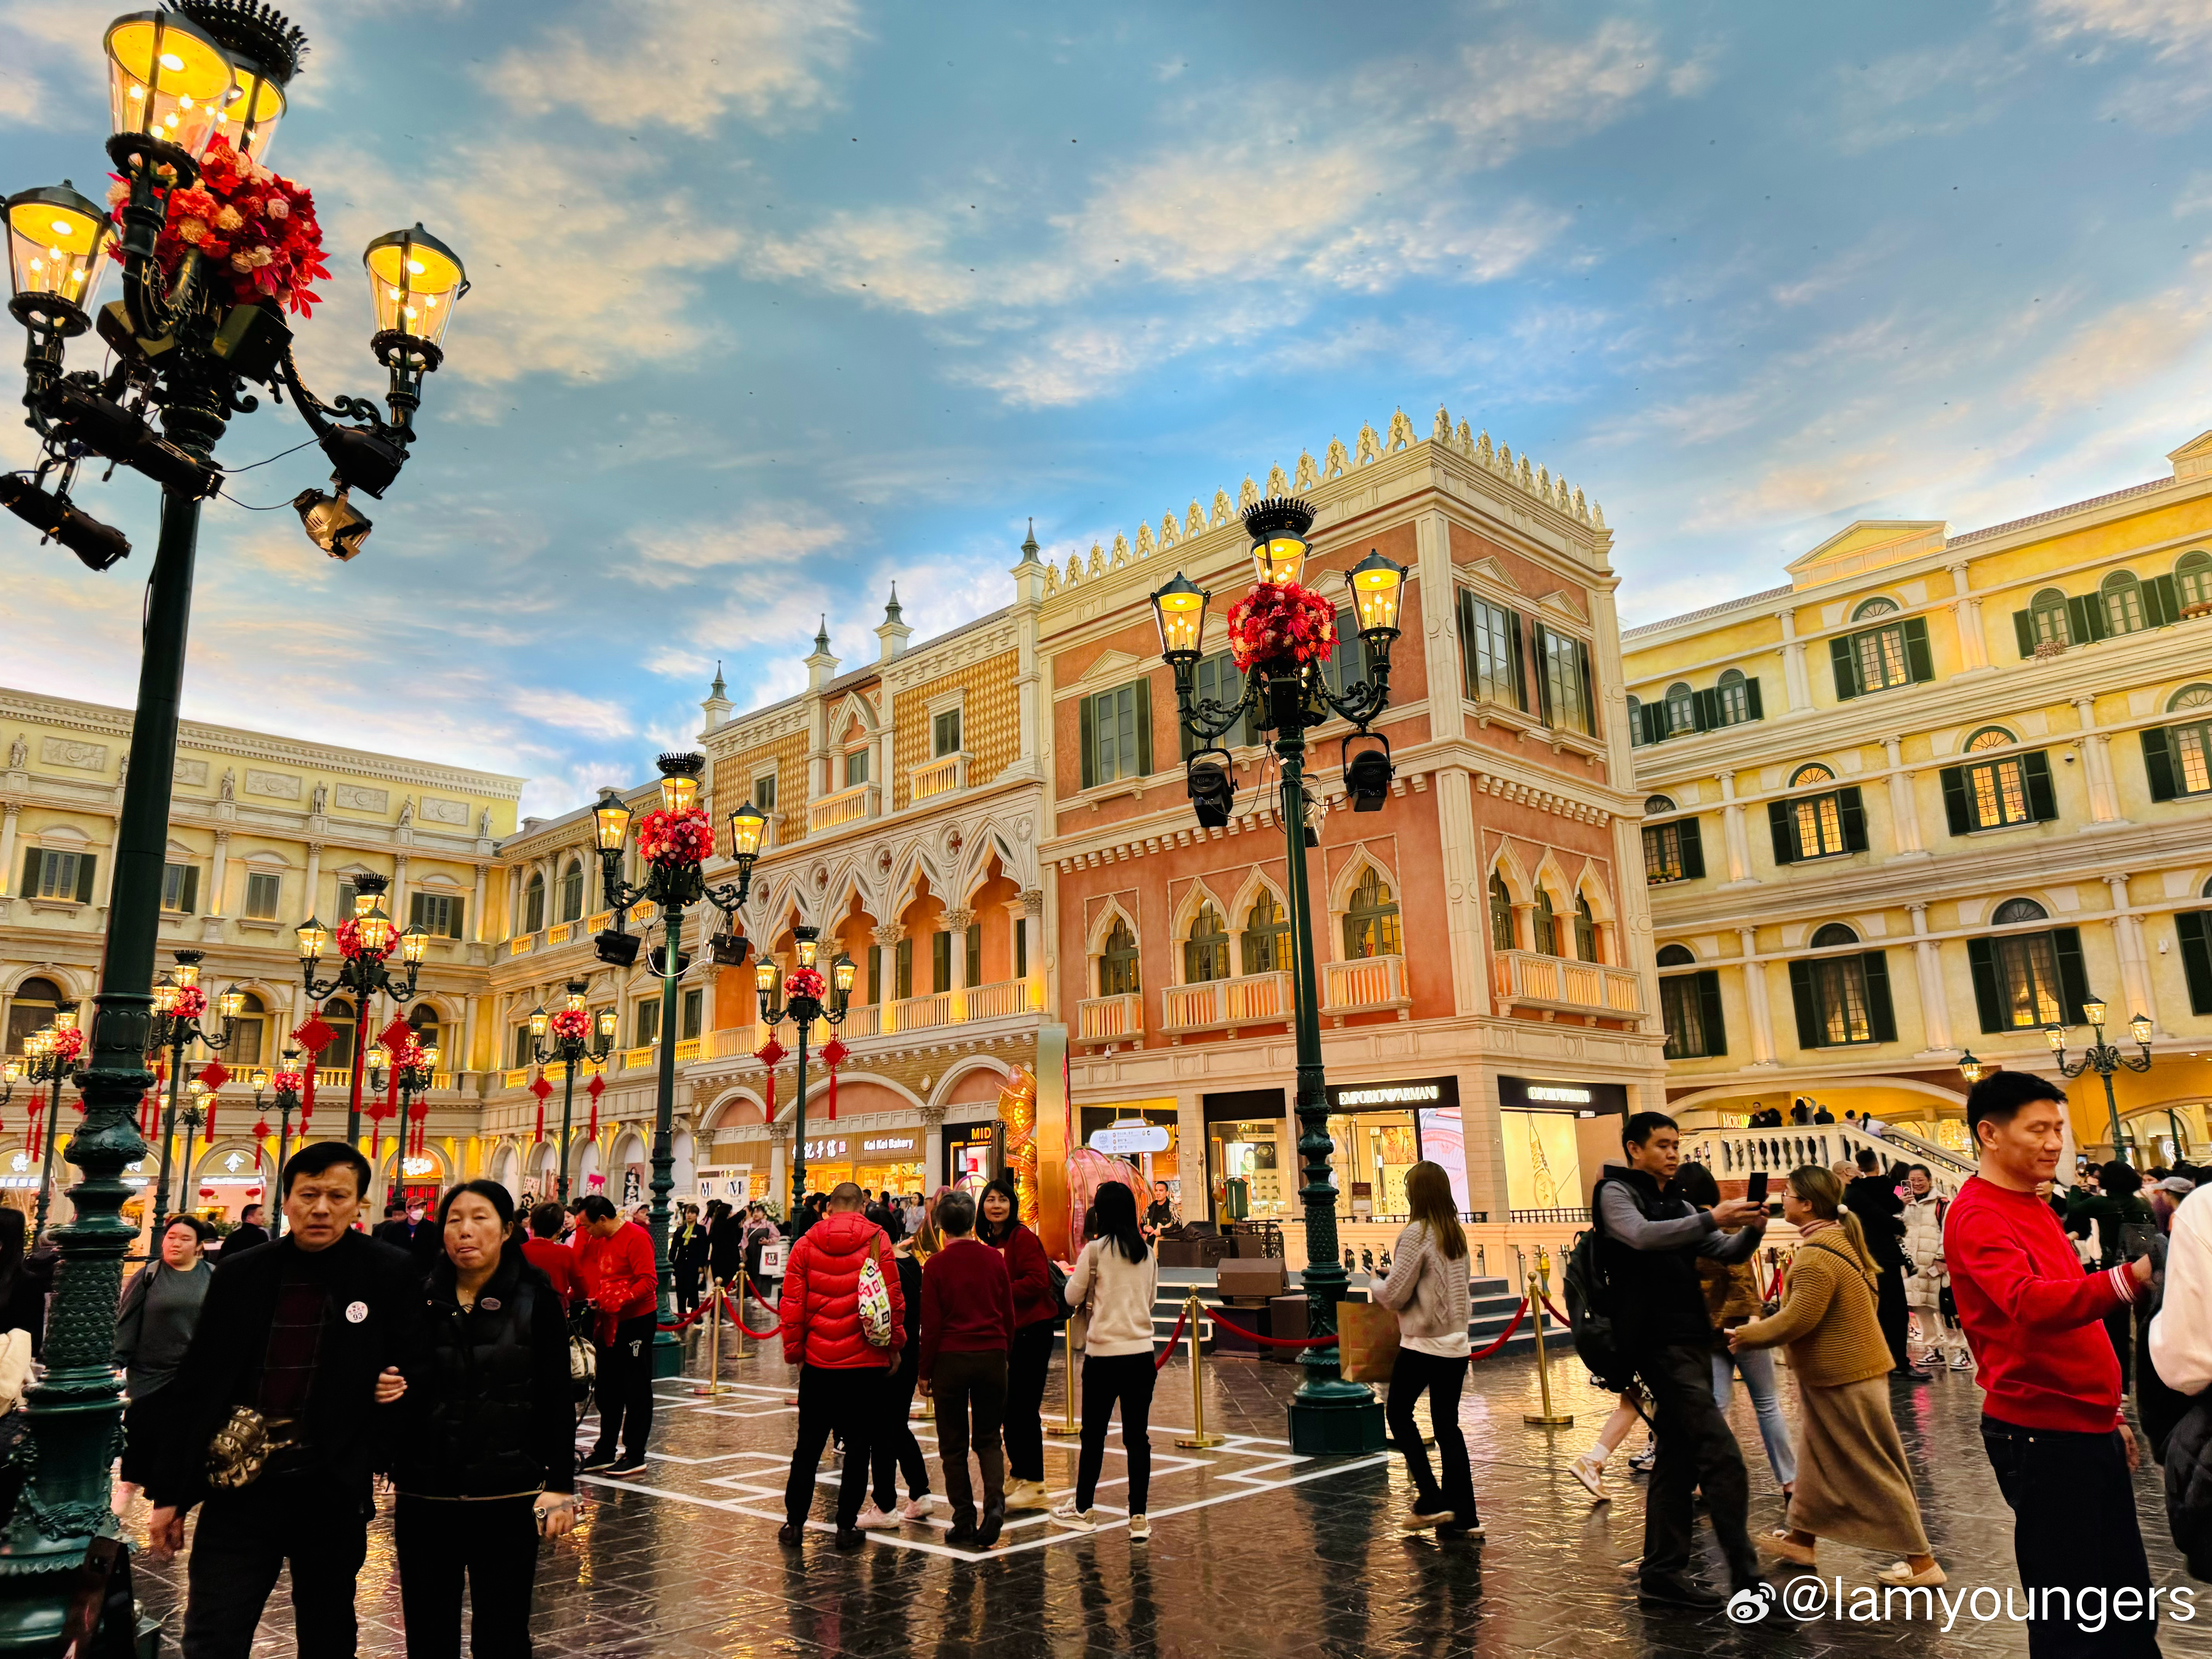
{"x": 1933, "y": 794}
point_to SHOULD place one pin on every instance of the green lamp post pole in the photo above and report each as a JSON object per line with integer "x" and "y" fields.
{"x": 2102, "y": 1057}
{"x": 1282, "y": 649}
{"x": 675, "y": 842}
{"x": 800, "y": 1001}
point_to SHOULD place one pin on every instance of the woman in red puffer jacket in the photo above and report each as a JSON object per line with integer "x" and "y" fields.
{"x": 1037, "y": 1316}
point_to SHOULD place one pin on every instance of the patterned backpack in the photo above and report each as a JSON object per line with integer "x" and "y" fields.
{"x": 875, "y": 1301}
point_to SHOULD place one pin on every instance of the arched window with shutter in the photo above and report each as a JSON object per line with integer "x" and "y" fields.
{"x": 1370, "y": 920}
{"x": 1841, "y": 999}
{"x": 533, "y": 902}
{"x": 1118, "y": 973}
{"x": 1501, "y": 915}
{"x": 1206, "y": 949}
{"x": 1585, "y": 930}
{"x": 1267, "y": 937}
{"x": 1547, "y": 925}
{"x": 2123, "y": 598}
{"x": 572, "y": 892}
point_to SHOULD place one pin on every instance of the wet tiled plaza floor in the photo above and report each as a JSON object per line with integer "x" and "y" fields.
{"x": 1253, "y": 1552}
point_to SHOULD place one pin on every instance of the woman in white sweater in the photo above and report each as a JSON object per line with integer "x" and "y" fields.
{"x": 1113, "y": 1282}
{"x": 1428, "y": 1286}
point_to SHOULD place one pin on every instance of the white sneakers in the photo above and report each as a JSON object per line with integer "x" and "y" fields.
{"x": 1589, "y": 1469}
{"x": 1140, "y": 1528}
{"x": 916, "y": 1509}
{"x": 1025, "y": 1495}
{"x": 873, "y": 1519}
{"x": 1067, "y": 1515}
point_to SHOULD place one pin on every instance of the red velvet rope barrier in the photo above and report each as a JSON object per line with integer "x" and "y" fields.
{"x": 738, "y": 1319}
{"x": 1159, "y": 1361}
{"x": 1270, "y": 1341}
{"x": 1503, "y": 1336}
{"x": 689, "y": 1320}
{"x": 1557, "y": 1318}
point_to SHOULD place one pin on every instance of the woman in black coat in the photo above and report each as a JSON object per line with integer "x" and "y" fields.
{"x": 484, "y": 1463}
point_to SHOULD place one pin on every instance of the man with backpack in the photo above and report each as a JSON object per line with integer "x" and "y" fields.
{"x": 1648, "y": 1245}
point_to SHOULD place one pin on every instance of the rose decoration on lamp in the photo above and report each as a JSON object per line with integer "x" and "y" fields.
{"x": 675, "y": 838}
{"x": 256, "y": 231}
{"x": 803, "y": 983}
{"x": 351, "y": 944}
{"x": 572, "y": 1025}
{"x": 68, "y": 1042}
{"x": 191, "y": 1002}
{"x": 289, "y": 1083}
{"x": 1282, "y": 622}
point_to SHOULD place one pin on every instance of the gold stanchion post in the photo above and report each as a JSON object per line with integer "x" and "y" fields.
{"x": 737, "y": 1314}
{"x": 712, "y": 1385}
{"x": 1198, "y": 1439}
{"x": 1068, "y": 1429}
{"x": 1547, "y": 1419}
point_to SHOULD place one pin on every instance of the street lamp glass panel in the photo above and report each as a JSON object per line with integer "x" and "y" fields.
{"x": 260, "y": 1081}
{"x": 195, "y": 1088}
{"x": 415, "y": 280}
{"x": 167, "y": 79}
{"x": 2055, "y": 1036}
{"x": 414, "y": 945}
{"x": 1376, "y": 583}
{"x": 1969, "y": 1067}
{"x": 188, "y": 973}
{"x": 2139, "y": 1027}
{"x": 430, "y": 1058}
{"x": 57, "y": 244}
{"x": 843, "y": 969}
{"x": 576, "y": 1002}
{"x": 1179, "y": 609}
{"x": 11, "y": 1070}
{"x": 539, "y": 1020}
{"x": 678, "y": 793}
{"x": 165, "y": 996}
{"x": 746, "y": 825}
{"x": 764, "y": 976}
{"x": 375, "y": 928}
{"x": 1278, "y": 558}
{"x": 808, "y": 949}
{"x": 315, "y": 939}
{"x": 65, "y": 1019}
{"x": 248, "y": 118}
{"x": 2094, "y": 1012}
{"x": 612, "y": 820}
{"x": 607, "y": 1025}
{"x": 231, "y": 1003}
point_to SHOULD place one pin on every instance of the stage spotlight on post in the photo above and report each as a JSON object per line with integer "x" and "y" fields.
{"x": 332, "y": 522}
{"x": 1367, "y": 775}
{"x": 1212, "y": 791}
{"x": 730, "y": 949}
{"x": 616, "y": 948}
{"x": 98, "y": 545}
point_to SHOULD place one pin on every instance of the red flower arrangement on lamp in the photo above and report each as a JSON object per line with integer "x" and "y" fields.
{"x": 572, "y": 1025}
{"x": 256, "y": 231}
{"x": 665, "y": 837}
{"x": 803, "y": 983}
{"x": 289, "y": 1083}
{"x": 1280, "y": 622}
{"x": 191, "y": 1003}
{"x": 350, "y": 944}
{"x": 68, "y": 1042}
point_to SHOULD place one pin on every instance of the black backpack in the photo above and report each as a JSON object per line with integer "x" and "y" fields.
{"x": 1589, "y": 1293}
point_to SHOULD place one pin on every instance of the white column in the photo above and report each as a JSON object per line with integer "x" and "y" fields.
{"x": 1904, "y": 818}
{"x": 1926, "y": 962}
{"x": 8, "y": 844}
{"x": 1966, "y": 617}
{"x": 1033, "y": 913}
{"x": 399, "y": 890}
{"x": 217, "y": 876}
{"x": 475, "y": 929}
{"x": 1440, "y": 630}
{"x": 1754, "y": 1000}
{"x": 2097, "y": 761}
{"x": 933, "y": 1148}
{"x": 2134, "y": 963}
{"x": 1738, "y": 847}
{"x": 107, "y": 874}
{"x": 466, "y": 1059}
{"x": 308, "y": 900}
{"x": 1794, "y": 677}
{"x": 1465, "y": 888}
{"x": 778, "y": 1135}
{"x": 956, "y": 923}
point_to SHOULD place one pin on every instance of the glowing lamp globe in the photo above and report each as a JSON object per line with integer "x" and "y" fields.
{"x": 1179, "y": 610}
{"x": 413, "y": 281}
{"x": 58, "y": 246}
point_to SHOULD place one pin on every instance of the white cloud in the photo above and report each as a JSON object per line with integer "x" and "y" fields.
{"x": 2170, "y": 26}
{"x": 673, "y": 556}
{"x": 690, "y": 64}
{"x": 1510, "y": 94}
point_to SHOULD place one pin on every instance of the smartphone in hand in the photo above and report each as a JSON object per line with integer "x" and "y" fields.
{"x": 1755, "y": 1190}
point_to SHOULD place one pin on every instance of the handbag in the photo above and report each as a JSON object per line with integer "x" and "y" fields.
{"x": 875, "y": 1298}
{"x": 1366, "y": 1341}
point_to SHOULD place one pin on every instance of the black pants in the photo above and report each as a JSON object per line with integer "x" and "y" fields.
{"x": 147, "y": 1425}
{"x": 970, "y": 1390}
{"x": 2119, "y": 1326}
{"x": 687, "y": 1288}
{"x": 1891, "y": 1314}
{"x": 244, "y": 1539}
{"x": 1413, "y": 1374}
{"x": 493, "y": 1544}
{"x": 625, "y": 1386}
{"x": 1696, "y": 1450}
{"x": 2074, "y": 1530}
{"x": 1029, "y": 1362}
{"x": 892, "y": 1449}
{"x": 848, "y": 1403}
{"x": 1108, "y": 1380}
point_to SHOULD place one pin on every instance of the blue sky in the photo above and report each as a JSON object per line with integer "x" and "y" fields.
{"x": 777, "y": 300}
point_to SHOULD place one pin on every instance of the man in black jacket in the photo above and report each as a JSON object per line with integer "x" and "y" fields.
{"x": 1652, "y": 1241}
{"x": 1872, "y": 1197}
{"x": 247, "y": 1234}
{"x": 306, "y": 1335}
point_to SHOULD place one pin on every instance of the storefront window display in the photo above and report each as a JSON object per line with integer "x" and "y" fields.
{"x": 829, "y": 1161}
{"x": 887, "y": 1158}
{"x": 1251, "y": 1156}
{"x": 1378, "y": 1130}
{"x": 1157, "y": 1164}
{"x": 1540, "y": 1131}
{"x": 971, "y": 1153}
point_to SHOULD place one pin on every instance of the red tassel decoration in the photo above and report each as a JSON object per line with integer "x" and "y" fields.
{"x": 211, "y": 1120}
{"x": 539, "y": 1140}
{"x": 833, "y": 1094}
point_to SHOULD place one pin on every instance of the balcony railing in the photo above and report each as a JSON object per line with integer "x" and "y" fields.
{"x": 1226, "y": 1004}
{"x": 941, "y": 776}
{"x": 1529, "y": 980}
{"x": 999, "y": 1000}
{"x": 600, "y": 923}
{"x": 846, "y": 807}
{"x": 1363, "y": 985}
{"x": 560, "y": 933}
{"x": 919, "y": 1013}
{"x": 1111, "y": 1019}
{"x": 522, "y": 944}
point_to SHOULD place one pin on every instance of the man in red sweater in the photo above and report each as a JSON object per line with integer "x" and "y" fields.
{"x": 2051, "y": 1420}
{"x": 614, "y": 1259}
{"x": 967, "y": 1329}
{"x": 841, "y": 1373}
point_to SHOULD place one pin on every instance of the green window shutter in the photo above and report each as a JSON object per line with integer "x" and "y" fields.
{"x": 1846, "y": 667}
{"x": 455, "y": 913}
{"x": 1144, "y": 693}
{"x": 1705, "y": 710}
{"x": 1754, "y": 709}
{"x": 85, "y": 865}
{"x": 1881, "y": 1017}
{"x": 2081, "y": 619}
{"x": 1851, "y": 809}
{"x": 2162, "y": 602}
{"x": 2196, "y": 958}
{"x": 2023, "y": 626}
{"x": 191, "y": 889}
{"x": 1981, "y": 959}
{"x": 2072, "y": 972}
{"x": 2042, "y": 798}
{"x": 1958, "y": 809}
{"x": 1784, "y": 832}
{"x": 875, "y": 973}
{"x": 31, "y": 857}
{"x": 1652, "y": 716}
{"x": 1468, "y": 684}
{"x": 1919, "y": 659}
{"x": 1708, "y": 1009}
{"x": 1543, "y": 643}
{"x": 1693, "y": 849}
{"x": 1088, "y": 741}
{"x": 1801, "y": 993}
{"x": 1588, "y": 677}
{"x": 1520, "y": 666}
{"x": 2158, "y": 764}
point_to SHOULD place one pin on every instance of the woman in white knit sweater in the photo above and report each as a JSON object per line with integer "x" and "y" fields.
{"x": 1113, "y": 1283}
{"x": 1428, "y": 1286}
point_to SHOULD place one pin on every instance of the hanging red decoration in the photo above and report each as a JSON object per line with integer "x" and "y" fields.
{"x": 261, "y": 1129}
{"x": 572, "y": 1025}
{"x": 214, "y": 1074}
{"x": 191, "y": 1003}
{"x": 541, "y": 1088}
{"x": 833, "y": 1056}
{"x": 68, "y": 1042}
{"x": 211, "y": 1120}
{"x": 350, "y": 942}
{"x": 595, "y": 1088}
{"x": 538, "y": 1139}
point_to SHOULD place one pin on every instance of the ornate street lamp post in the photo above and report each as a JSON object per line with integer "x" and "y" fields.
{"x": 365, "y": 940}
{"x": 290, "y": 1083}
{"x": 1281, "y": 635}
{"x": 411, "y": 1071}
{"x": 179, "y": 1003}
{"x": 674, "y": 842}
{"x": 571, "y": 1029}
{"x": 802, "y": 1005}
{"x": 194, "y": 1091}
{"x": 194, "y": 92}
{"x": 53, "y": 1055}
{"x": 2102, "y": 1057}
